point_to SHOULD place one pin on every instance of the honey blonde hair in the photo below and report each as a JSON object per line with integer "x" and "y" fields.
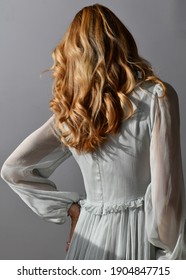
{"x": 96, "y": 67}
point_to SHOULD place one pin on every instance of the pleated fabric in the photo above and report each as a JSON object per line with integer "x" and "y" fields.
{"x": 116, "y": 232}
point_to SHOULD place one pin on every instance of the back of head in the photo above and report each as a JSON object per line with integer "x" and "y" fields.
{"x": 96, "y": 66}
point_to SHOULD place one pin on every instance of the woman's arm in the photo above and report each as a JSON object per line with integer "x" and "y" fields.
{"x": 28, "y": 168}
{"x": 165, "y": 197}
{"x": 73, "y": 212}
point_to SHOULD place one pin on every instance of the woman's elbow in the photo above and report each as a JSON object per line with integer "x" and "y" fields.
{"x": 9, "y": 173}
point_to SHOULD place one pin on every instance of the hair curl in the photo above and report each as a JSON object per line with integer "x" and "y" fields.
{"x": 96, "y": 66}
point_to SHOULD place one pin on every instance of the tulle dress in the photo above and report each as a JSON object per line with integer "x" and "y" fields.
{"x": 134, "y": 206}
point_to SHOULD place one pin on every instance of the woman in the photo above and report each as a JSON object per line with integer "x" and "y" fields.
{"x": 121, "y": 124}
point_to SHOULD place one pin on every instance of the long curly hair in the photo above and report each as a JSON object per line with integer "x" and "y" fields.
{"x": 96, "y": 66}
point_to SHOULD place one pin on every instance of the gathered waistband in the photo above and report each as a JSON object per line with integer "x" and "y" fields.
{"x": 107, "y": 208}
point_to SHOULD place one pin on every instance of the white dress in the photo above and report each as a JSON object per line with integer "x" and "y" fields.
{"x": 134, "y": 206}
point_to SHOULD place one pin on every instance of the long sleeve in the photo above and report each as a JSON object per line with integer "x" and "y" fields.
{"x": 165, "y": 196}
{"x": 28, "y": 168}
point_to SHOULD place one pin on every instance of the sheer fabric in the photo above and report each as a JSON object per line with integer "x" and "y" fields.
{"x": 134, "y": 206}
{"x": 165, "y": 196}
{"x": 28, "y": 168}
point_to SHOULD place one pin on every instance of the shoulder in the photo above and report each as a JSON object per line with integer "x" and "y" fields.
{"x": 149, "y": 96}
{"x": 148, "y": 91}
{"x": 144, "y": 93}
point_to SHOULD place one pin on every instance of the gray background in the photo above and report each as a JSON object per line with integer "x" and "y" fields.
{"x": 29, "y": 30}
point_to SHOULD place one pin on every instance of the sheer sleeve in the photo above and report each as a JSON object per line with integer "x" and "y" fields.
{"x": 27, "y": 170}
{"x": 165, "y": 196}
